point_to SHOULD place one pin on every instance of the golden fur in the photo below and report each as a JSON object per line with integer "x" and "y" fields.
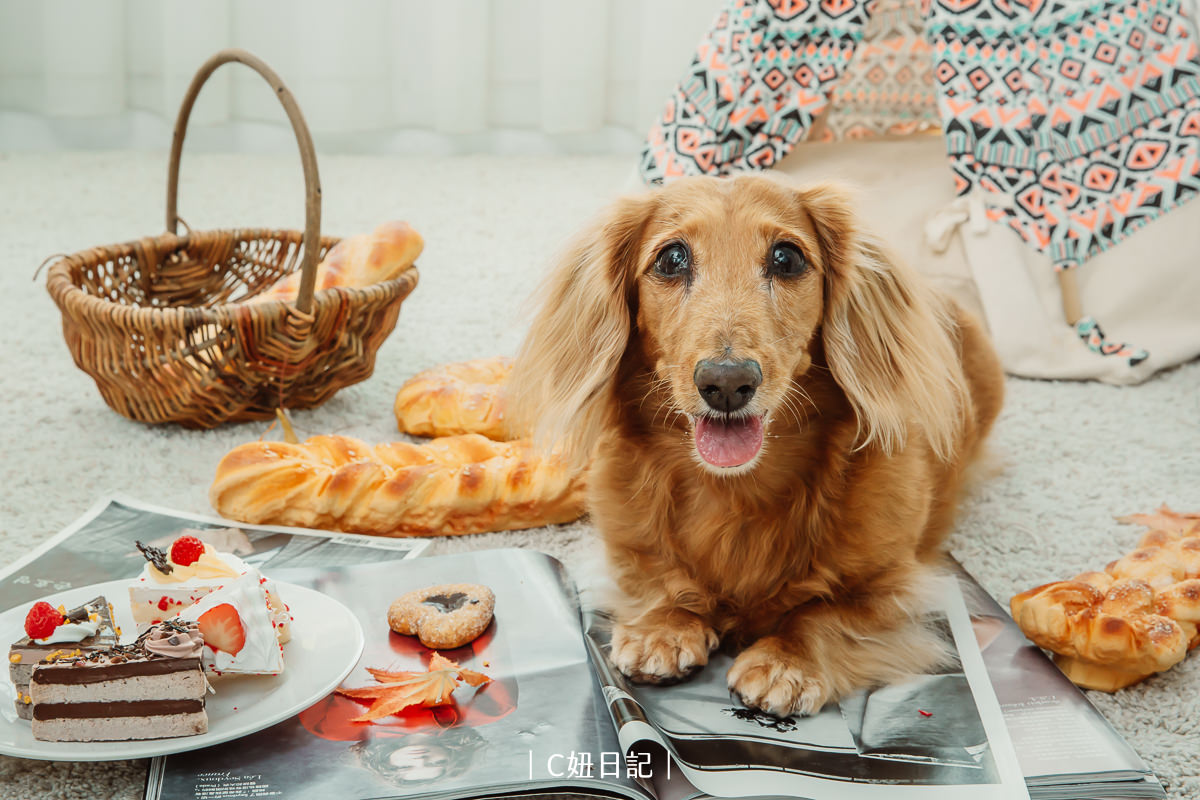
{"x": 876, "y": 392}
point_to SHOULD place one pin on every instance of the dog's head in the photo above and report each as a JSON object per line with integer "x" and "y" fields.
{"x": 725, "y": 289}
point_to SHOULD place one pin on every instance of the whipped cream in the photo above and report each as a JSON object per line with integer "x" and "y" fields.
{"x": 71, "y": 632}
{"x": 211, "y": 566}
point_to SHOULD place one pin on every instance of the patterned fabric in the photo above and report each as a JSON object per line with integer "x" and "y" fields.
{"x": 1089, "y": 332}
{"x": 1085, "y": 112}
{"x": 887, "y": 88}
{"x": 758, "y": 79}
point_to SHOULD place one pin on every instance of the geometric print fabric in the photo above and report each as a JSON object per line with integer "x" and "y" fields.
{"x": 1086, "y": 114}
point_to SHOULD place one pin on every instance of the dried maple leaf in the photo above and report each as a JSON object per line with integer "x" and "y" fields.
{"x": 1167, "y": 520}
{"x": 392, "y": 677}
{"x": 473, "y": 678}
{"x": 397, "y": 691}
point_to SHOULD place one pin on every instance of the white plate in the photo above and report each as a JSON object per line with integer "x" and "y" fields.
{"x": 326, "y": 643}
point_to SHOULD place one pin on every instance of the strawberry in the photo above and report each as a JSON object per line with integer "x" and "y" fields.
{"x": 222, "y": 629}
{"x": 186, "y": 550}
{"x": 41, "y": 620}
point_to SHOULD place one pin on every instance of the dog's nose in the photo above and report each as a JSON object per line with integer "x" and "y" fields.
{"x": 727, "y": 385}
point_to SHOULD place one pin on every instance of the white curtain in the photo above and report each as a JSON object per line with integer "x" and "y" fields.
{"x": 368, "y": 74}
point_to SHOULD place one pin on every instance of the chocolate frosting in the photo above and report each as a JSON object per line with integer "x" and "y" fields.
{"x": 116, "y": 661}
{"x": 82, "y": 672}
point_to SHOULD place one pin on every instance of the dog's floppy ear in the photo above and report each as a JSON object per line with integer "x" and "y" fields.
{"x": 887, "y": 335}
{"x": 561, "y": 382}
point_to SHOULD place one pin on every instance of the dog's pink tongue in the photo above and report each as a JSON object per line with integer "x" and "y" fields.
{"x": 728, "y": 443}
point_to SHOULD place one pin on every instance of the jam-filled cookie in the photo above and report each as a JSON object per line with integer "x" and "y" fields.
{"x": 444, "y": 617}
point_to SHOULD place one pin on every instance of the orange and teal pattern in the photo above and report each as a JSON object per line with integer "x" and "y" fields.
{"x": 1086, "y": 114}
{"x": 757, "y": 81}
{"x": 888, "y": 88}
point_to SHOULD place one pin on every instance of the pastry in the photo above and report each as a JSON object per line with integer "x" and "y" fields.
{"x": 239, "y": 632}
{"x": 444, "y": 617}
{"x": 453, "y": 399}
{"x": 356, "y": 261}
{"x": 53, "y": 633}
{"x": 151, "y": 689}
{"x": 1139, "y": 616}
{"x": 452, "y": 485}
{"x": 174, "y": 579}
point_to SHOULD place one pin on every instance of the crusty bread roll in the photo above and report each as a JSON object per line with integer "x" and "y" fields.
{"x": 1140, "y": 616}
{"x": 356, "y": 261}
{"x": 453, "y": 399}
{"x": 452, "y": 485}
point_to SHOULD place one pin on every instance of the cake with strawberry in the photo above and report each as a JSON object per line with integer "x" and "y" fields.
{"x": 189, "y": 570}
{"x": 53, "y": 633}
{"x": 239, "y": 633}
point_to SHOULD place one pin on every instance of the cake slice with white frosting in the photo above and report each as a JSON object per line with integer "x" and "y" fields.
{"x": 238, "y": 627}
{"x": 178, "y": 577}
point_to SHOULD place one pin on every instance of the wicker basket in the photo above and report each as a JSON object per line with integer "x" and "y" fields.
{"x": 162, "y": 325}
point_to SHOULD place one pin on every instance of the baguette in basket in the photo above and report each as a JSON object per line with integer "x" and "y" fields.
{"x": 356, "y": 261}
{"x": 452, "y": 485}
{"x": 152, "y": 322}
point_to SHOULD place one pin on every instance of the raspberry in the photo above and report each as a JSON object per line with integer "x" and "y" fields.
{"x": 41, "y": 620}
{"x": 186, "y": 550}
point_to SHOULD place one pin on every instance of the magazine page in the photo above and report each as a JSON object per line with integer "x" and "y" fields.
{"x": 939, "y": 735}
{"x": 540, "y": 723}
{"x": 99, "y": 547}
{"x": 1055, "y": 730}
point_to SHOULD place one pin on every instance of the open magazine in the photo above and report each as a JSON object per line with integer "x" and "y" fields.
{"x": 546, "y": 723}
{"x": 556, "y": 718}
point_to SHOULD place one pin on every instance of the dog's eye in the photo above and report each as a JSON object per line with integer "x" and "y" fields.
{"x": 674, "y": 261}
{"x": 786, "y": 260}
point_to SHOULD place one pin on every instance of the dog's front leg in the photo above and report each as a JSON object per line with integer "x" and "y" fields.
{"x": 824, "y": 650}
{"x": 662, "y": 645}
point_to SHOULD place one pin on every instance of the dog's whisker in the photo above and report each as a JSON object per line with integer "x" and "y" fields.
{"x": 788, "y": 403}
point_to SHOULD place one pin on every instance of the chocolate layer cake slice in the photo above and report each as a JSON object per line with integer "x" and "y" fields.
{"x": 151, "y": 689}
{"x": 76, "y": 632}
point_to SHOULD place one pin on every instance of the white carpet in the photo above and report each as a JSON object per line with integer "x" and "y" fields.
{"x": 1066, "y": 457}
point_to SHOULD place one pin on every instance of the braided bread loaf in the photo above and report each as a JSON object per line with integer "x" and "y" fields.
{"x": 465, "y": 397}
{"x": 1114, "y": 628}
{"x": 356, "y": 261}
{"x": 457, "y": 484}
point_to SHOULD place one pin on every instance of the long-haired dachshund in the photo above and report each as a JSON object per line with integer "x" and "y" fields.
{"x": 779, "y": 414}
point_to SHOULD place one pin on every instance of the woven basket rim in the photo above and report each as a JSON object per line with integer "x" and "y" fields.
{"x": 62, "y": 288}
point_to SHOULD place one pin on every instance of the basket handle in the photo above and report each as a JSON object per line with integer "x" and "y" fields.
{"x": 308, "y": 158}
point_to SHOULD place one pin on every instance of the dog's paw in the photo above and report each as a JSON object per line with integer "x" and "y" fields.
{"x": 662, "y": 653}
{"x": 768, "y": 678}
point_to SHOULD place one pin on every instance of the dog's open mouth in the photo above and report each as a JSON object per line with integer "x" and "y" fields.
{"x": 728, "y": 441}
